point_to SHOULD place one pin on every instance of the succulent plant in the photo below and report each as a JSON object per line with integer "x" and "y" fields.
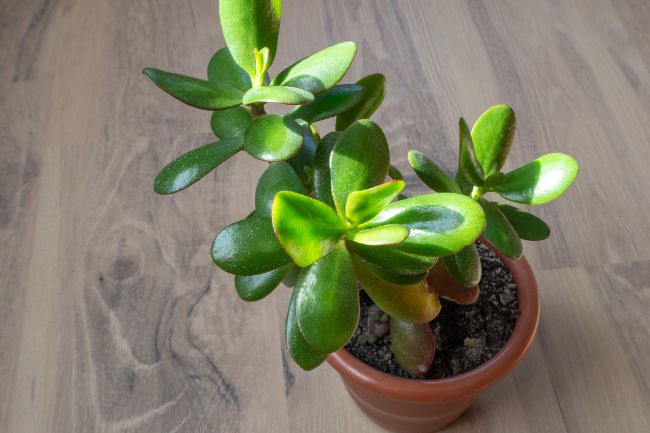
{"x": 329, "y": 216}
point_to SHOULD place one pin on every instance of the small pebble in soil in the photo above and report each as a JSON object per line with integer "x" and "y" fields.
{"x": 466, "y": 335}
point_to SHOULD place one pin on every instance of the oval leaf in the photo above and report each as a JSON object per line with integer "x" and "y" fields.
{"x": 248, "y": 25}
{"x": 351, "y": 167}
{"x": 447, "y": 287}
{"x": 375, "y": 90}
{"x": 431, "y": 174}
{"x": 319, "y": 71}
{"x": 192, "y": 166}
{"x": 195, "y": 92}
{"x": 306, "y": 228}
{"x": 392, "y": 259}
{"x": 230, "y": 123}
{"x": 328, "y": 104}
{"x": 540, "y": 181}
{"x": 527, "y": 226}
{"x": 255, "y": 287}
{"x": 322, "y": 173}
{"x": 389, "y": 234}
{"x": 248, "y": 247}
{"x": 440, "y": 224}
{"x": 414, "y": 346}
{"x": 278, "y": 94}
{"x": 467, "y": 164}
{"x": 390, "y": 276}
{"x": 464, "y": 266}
{"x": 414, "y": 303}
{"x": 499, "y": 232}
{"x": 273, "y": 138}
{"x": 362, "y": 206}
{"x": 305, "y": 355}
{"x": 223, "y": 69}
{"x": 327, "y": 302}
{"x": 279, "y": 176}
{"x": 303, "y": 162}
{"x": 492, "y": 136}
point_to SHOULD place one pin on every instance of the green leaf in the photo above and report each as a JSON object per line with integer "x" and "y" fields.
{"x": 255, "y": 287}
{"x": 304, "y": 160}
{"x": 277, "y": 94}
{"x": 230, "y": 123}
{"x": 329, "y": 103}
{"x": 300, "y": 350}
{"x": 464, "y": 186}
{"x": 327, "y": 302}
{"x": 413, "y": 345}
{"x": 273, "y": 138}
{"x": 223, "y": 69}
{"x": 248, "y": 247}
{"x": 322, "y": 173}
{"x": 440, "y": 224}
{"x": 306, "y": 228}
{"x": 192, "y": 166}
{"x": 197, "y": 93}
{"x": 467, "y": 163}
{"x": 392, "y": 259}
{"x": 447, "y": 287}
{"x": 279, "y": 176}
{"x": 375, "y": 90}
{"x": 500, "y": 232}
{"x": 291, "y": 279}
{"x": 319, "y": 71}
{"x": 358, "y": 161}
{"x": 527, "y": 226}
{"x": 249, "y": 25}
{"x": 431, "y": 174}
{"x": 362, "y": 206}
{"x": 390, "y": 276}
{"x": 389, "y": 234}
{"x": 464, "y": 266}
{"x": 540, "y": 181}
{"x": 394, "y": 173}
{"x": 414, "y": 303}
{"x": 492, "y": 136}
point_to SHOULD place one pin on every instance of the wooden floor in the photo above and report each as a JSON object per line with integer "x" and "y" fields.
{"x": 112, "y": 316}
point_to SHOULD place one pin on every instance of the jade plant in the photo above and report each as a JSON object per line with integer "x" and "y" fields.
{"x": 328, "y": 217}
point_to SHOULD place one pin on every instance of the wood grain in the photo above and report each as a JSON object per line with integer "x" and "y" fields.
{"x": 112, "y": 316}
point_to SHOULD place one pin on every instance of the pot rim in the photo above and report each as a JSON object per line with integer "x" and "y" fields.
{"x": 471, "y": 382}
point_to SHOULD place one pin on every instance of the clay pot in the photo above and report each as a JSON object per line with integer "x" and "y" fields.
{"x": 425, "y": 406}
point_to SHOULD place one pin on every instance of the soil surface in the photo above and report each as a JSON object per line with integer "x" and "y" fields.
{"x": 466, "y": 335}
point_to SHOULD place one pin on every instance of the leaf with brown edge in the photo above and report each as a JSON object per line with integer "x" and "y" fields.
{"x": 440, "y": 281}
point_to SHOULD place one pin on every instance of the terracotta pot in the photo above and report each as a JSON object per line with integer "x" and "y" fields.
{"x": 424, "y": 406}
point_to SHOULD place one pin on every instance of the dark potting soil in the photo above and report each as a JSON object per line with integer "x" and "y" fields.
{"x": 466, "y": 335}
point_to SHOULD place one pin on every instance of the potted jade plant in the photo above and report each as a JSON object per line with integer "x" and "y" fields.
{"x": 329, "y": 220}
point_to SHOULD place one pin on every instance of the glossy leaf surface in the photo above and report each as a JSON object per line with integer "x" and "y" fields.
{"x": 303, "y": 162}
{"x": 392, "y": 259}
{"x": 306, "y": 228}
{"x": 500, "y": 232}
{"x": 468, "y": 165}
{"x": 540, "y": 181}
{"x": 192, "y": 166}
{"x": 389, "y": 234}
{"x": 375, "y": 90}
{"x": 329, "y": 103}
{"x": 413, "y": 344}
{"x": 390, "y": 276}
{"x": 279, "y": 176}
{"x": 195, "y": 92}
{"x": 439, "y": 224}
{"x": 464, "y": 266}
{"x": 447, "y": 287}
{"x": 358, "y": 161}
{"x": 249, "y": 25}
{"x": 277, "y": 94}
{"x": 273, "y": 138}
{"x": 223, "y": 69}
{"x": 230, "y": 123}
{"x": 527, "y": 226}
{"x": 319, "y": 71}
{"x": 322, "y": 173}
{"x": 248, "y": 247}
{"x": 431, "y": 174}
{"x": 492, "y": 135}
{"x": 414, "y": 303}
{"x": 300, "y": 350}
{"x": 327, "y": 301}
{"x": 255, "y": 287}
{"x": 362, "y": 206}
